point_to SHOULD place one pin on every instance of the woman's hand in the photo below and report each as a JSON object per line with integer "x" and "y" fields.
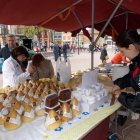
{"x": 115, "y": 88}
{"x": 117, "y": 93}
{"x": 31, "y": 70}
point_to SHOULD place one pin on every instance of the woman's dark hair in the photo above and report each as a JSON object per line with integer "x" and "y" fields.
{"x": 19, "y": 51}
{"x": 128, "y": 37}
{"x": 37, "y": 59}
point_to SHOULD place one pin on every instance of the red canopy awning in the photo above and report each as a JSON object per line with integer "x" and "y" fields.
{"x": 120, "y": 23}
{"x": 67, "y": 15}
{"x": 103, "y": 10}
{"x": 47, "y": 13}
{"x": 132, "y": 5}
{"x": 30, "y": 12}
{"x": 129, "y": 19}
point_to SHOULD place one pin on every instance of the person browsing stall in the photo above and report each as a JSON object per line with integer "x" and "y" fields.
{"x": 128, "y": 44}
{"x": 42, "y": 67}
{"x": 12, "y": 70}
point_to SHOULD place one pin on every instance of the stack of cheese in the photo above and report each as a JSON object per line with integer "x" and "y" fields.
{"x": 15, "y": 109}
{"x": 24, "y": 102}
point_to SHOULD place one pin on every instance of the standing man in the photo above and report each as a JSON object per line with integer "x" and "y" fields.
{"x": 60, "y": 50}
{"x": 65, "y": 48}
{"x": 5, "y": 52}
{"x": 56, "y": 51}
{"x": 104, "y": 55}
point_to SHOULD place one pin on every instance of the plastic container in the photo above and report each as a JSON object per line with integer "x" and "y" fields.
{"x": 88, "y": 104}
{"x": 56, "y": 108}
{"x": 64, "y": 94}
{"x": 77, "y": 95}
{"x": 51, "y": 100}
{"x": 67, "y": 101}
{"x": 88, "y": 107}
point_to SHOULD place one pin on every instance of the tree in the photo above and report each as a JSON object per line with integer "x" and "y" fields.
{"x": 30, "y": 31}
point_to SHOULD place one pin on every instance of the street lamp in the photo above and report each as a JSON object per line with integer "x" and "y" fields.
{"x": 78, "y": 44}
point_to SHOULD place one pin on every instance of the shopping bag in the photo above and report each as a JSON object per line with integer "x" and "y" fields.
{"x": 63, "y": 70}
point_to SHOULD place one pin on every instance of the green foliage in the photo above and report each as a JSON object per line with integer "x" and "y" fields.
{"x": 30, "y": 31}
{"x": 58, "y": 41}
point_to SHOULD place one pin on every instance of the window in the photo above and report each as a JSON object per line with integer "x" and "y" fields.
{"x": 69, "y": 37}
{"x": 20, "y": 31}
{"x": 59, "y": 36}
{"x": 109, "y": 42}
{"x": 64, "y": 37}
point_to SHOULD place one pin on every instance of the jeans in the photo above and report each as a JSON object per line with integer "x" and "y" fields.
{"x": 65, "y": 55}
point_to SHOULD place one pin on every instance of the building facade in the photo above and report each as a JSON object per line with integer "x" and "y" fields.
{"x": 57, "y": 36}
{"x": 53, "y": 36}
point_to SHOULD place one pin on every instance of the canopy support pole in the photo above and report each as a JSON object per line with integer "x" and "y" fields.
{"x": 108, "y": 21}
{"x": 78, "y": 45}
{"x": 81, "y": 25}
{"x": 62, "y": 11}
{"x": 121, "y": 14}
{"x": 77, "y": 18}
{"x": 92, "y": 41}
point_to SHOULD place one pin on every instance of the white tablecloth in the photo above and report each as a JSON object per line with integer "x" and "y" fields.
{"x": 36, "y": 130}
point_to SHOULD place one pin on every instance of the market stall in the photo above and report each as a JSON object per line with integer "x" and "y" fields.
{"x": 88, "y": 123}
{"x": 92, "y": 118}
{"x": 35, "y": 130}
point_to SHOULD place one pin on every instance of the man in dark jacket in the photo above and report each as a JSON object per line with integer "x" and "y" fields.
{"x": 5, "y": 52}
{"x": 56, "y": 51}
{"x": 103, "y": 53}
{"x": 65, "y": 49}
